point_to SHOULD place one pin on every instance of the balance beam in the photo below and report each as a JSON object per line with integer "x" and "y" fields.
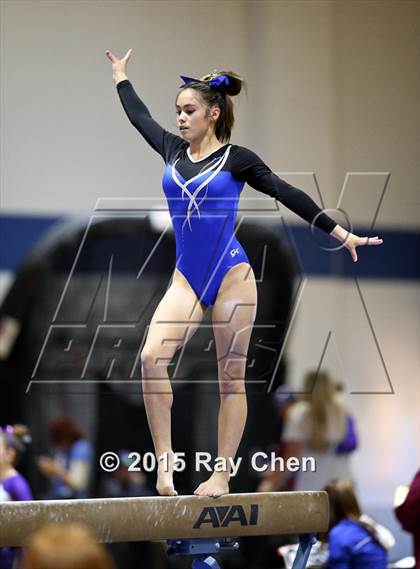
{"x": 174, "y": 517}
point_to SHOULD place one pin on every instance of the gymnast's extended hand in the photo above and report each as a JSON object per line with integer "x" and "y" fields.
{"x": 119, "y": 66}
{"x": 351, "y": 241}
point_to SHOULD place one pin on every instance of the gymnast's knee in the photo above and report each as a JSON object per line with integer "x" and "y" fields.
{"x": 232, "y": 379}
{"x": 153, "y": 359}
{"x": 231, "y": 387}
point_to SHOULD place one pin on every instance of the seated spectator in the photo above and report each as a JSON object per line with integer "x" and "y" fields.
{"x": 355, "y": 540}
{"x": 65, "y": 546}
{"x": 13, "y": 486}
{"x": 70, "y": 470}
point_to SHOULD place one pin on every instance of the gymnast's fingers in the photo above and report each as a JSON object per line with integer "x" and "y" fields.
{"x": 127, "y": 55}
{"x": 111, "y": 56}
{"x": 369, "y": 241}
{"x": 374, "y": 241}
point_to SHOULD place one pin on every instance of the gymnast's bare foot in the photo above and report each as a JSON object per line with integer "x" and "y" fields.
{"x": 165, "y": 472}
{"x": 216, "y": 485}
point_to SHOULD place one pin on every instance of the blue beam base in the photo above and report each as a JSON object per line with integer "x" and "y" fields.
{"x": 201, "y": 548}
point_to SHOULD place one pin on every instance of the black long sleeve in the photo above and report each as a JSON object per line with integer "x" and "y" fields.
{"x": 251, "y": 169}
{"x": 159, "y": 139}
{"x": 244, "y": 164}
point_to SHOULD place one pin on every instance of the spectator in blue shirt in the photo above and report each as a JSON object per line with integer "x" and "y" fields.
{"x": 355, "y": 540}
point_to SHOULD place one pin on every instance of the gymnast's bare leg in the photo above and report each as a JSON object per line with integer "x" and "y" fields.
{"x": 233, "y": 317}
{"x": 175, "y": 320}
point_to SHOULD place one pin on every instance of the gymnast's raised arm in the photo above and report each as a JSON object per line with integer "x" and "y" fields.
{"x": 137, "y": 112}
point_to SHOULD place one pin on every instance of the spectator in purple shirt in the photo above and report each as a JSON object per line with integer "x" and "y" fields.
{"x": 13, "y": 486}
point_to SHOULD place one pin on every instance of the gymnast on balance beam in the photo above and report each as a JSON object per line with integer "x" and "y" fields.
{"x": 203, "y": 179}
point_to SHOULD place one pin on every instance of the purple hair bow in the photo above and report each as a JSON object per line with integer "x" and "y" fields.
{"x": 215, "y": 82}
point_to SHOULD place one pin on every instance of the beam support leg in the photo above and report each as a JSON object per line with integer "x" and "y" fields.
{"x": 306, "y": 542}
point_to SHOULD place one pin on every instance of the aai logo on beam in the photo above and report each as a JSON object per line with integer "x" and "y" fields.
{"x": 223, "y": 516}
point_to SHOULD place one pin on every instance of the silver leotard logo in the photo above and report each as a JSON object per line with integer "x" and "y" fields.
{"x": 234, "y": 252}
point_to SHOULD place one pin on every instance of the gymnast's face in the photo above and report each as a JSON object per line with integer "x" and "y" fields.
{"x": 195, "y": 119}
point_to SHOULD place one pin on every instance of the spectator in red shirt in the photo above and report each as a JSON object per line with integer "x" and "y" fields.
{"x": 408, "y": 514}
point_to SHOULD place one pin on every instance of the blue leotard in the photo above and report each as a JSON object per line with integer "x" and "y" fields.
{"x": 203, "y": 197}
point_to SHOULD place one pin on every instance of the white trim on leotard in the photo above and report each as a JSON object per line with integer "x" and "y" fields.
{"x": 214, "y": 168}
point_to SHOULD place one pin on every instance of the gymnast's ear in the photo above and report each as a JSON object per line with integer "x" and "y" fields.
{"x": 214, "y": 112}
